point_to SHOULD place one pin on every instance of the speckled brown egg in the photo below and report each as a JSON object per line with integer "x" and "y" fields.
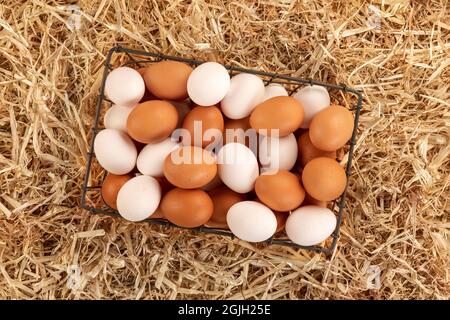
{"x": 331, "y": 128}
{"x": 210, "y": 118}
{"x": 152, "y": 121}
{"x": 280, "y": 191}
{"x": 282, "y": 113}
{"x": 190, "y": 167}
{"x": 187, "y": 208}
{"x": 307, "y": 151}
{"x": 324, "y": 179}
{"x": 223, "y": 198}
{"x": 168, "y": 79}
{"x": 111, "y": 186}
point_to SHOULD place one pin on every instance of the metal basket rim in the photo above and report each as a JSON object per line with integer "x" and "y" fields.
{"x": 158, "y": 56}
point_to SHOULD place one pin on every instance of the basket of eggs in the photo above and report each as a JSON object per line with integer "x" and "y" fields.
{"x": 221, "y": 149}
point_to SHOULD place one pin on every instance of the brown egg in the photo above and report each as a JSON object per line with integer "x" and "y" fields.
{"x": 187, "y": 208}
{"x": 281, "y": 220}
{"x": 331, "y": 128}
{"x": 190, "y": 167}
{"x": 214, "y": 183}
{"x": 165, "y": 185}
{"x": 158, "y": 214}
{"x": 168, "y": 79}
{"x": 147, "y": 94}
{"x": 223, "y": 198}
{"x": 152, "y": 121}
{"x": 183, "y": 108}
{"x": 111, "y": 186}
{"x": 203, "y": 119}
{"x": 310, "y": 201}
{"x": 307, "y": 151}
{"x": 282, "y": 113}
{"x": 235, "y": 131}
{"x": 324, "y": 179}
{"x": 280, "y": 191}
{"x": 141, "y": 71}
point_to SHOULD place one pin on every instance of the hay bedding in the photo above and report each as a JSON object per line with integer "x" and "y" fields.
{"x": 397, "y": 215}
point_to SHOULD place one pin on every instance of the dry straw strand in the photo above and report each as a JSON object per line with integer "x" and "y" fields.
{"x": 397, "y": 213}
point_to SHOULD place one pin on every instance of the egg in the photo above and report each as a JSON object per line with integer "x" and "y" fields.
{"x": 331, "y": 128}
{"x": 313, "y": 99}
{"x": 280, "y": 190}
{"x": 281, "y": 114}
{"x": 158, "y": 214}
{"x": 239, "y": 130}
{"x": 223, "y": 198}
{"x": 165, "y": 185}
{"x": 310, "y": 225}
{"x": 205, "y": 126}
{"x": 238, "y": 167}
{"x": 208, "y": 84}
{"x": 274, "y": 90}
{"x": 147, "y": 95}
{"x": 324, "y": 179}
{"x": 214, "y": 183}
{"x": 277, "y": 153}
{"x": 190, "y": 167}
{"x": 311, "y": 201}
{"x": 251, "y": 221}
{"x": 183, "y": 109}
{"x": 245, "y": 92}
{"x": 138, "y": 198}
{"x": 115, "y": 151}
{"x": 307, "y": 151}
{"x": 124, "y": 86}
{"x": 150, "y": 160}
{"x": 167, "y": 80}
{"x": 116, "y": 117}
{"x": 152, "y": 121}
{"x": 187, "y": 208}
{"x": 281, "y": 220}
{"x": 111, "y": 186}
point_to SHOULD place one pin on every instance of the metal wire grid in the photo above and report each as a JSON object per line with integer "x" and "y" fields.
{"x": 141, "y": 58}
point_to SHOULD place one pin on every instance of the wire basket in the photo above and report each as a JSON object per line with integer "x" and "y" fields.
{"x": 142, "y": 58}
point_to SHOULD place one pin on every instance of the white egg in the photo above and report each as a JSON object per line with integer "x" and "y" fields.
{"x": 115, "y": 151}
{"x": 150, "y": 160}
{"x": 238, "y": 167}
{"x": 313, "y": 99}
{"x": 124, "y": 86}
{"x": 138, "y": 198}
{"x": 274, "y": 90}
{"x": 116, "y": 117}
{"x": 246, "y": 91}
{"x": 208, "y": 84}
{"x": 278, "y": 153}
{"x": 310, "y": 225}
{"x": 251, "y": 221}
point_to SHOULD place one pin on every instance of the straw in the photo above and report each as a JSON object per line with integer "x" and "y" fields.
{"x": 397, "y": 216}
